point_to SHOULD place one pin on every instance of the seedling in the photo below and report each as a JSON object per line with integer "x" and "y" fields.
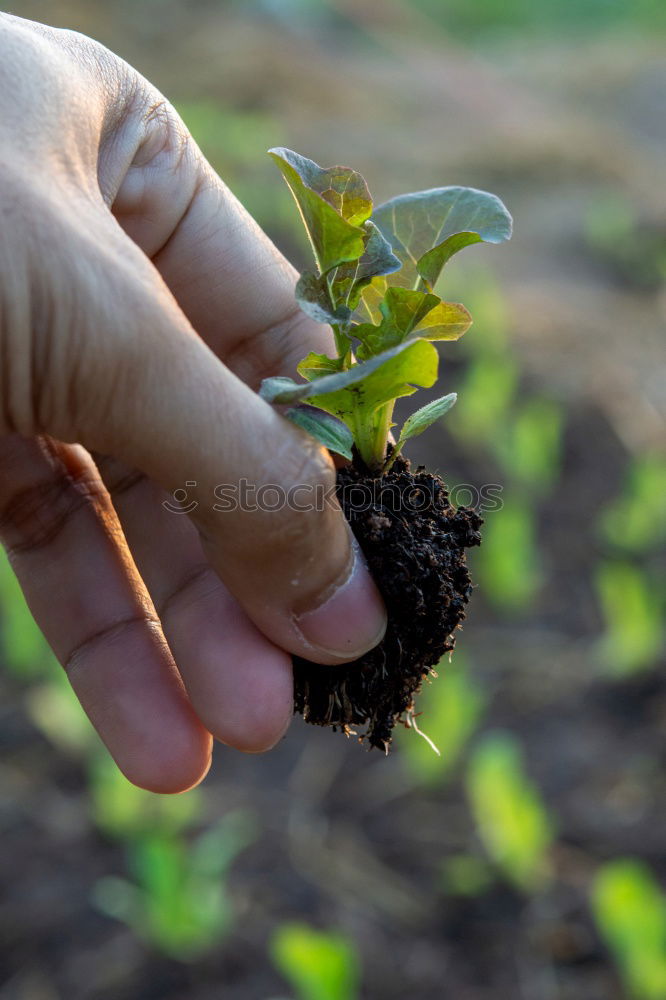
{"x": 630, "y": 911}
{"x": 319, "y": 965}
{"x": 511, "y": 818}
{"x": 179, "y": 901}
{"x": 452, "y": 708}
{"x": 374, "y": 283}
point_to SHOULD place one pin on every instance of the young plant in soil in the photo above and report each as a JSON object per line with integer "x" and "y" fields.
{"x": 374, "y": 279}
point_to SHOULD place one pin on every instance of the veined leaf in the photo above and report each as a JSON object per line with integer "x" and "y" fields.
{"x": 314, "y": 298}
{"x": 343, "y": 188}
{"x": 323, "y": 197}
{"x": 413, "y": 363}
{"x": 349, "y": 280}
{"x": 406, "y": 368}
{"x": 422, "y": 419}
{"x": 326, "y": 428}
{"x": 446, "y": 321}
{"x": 372, "y": 295}
{"x": 428, "y": 227}
{"x": 407, "y": 313}
{"x": 317, "y": 365}
{"x": 403, "y": 309}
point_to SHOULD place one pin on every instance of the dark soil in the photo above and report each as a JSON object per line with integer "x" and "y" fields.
{"x": 414, "y": 541}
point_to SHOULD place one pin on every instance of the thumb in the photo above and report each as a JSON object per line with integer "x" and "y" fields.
{"x": 261, "y": 492}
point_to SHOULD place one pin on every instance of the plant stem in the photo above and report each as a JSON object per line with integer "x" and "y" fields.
{"x": 371, "y": 437}
{"x": 342, "y": 340}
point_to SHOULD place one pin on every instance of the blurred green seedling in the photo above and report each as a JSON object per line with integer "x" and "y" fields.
{"x": 449, "y": 713}
{"x": 634, "y": 248}
{"x": 636, "y": 520}
{"x": 511, "y": 818}
{"x": 632, "y": 609}
{"x": 487, "y": 392}
{"x": 121, "y": 810}
{"x": 25, "y": 651}
{"x": 629, "y": 909}
{"x": 180, "y": 902}
{"x": 508, "y": 564}
{"x": 466, "y": 875}
{"x": 56, "y": 711}
{"x": 318, "y": 965}
{"x": 478, "y": 287}
{"x": 528, "y": 447}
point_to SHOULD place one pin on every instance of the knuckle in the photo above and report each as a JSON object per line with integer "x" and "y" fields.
{"x": 110, "y": 634}
{"x": 272, "y": 349}
{"x": 33, "y": 516}
{"x": 162, "y": 139}
{"x": 118, "y": 478}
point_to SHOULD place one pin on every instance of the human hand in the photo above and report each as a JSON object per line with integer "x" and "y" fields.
{"x": 117, "y": 243}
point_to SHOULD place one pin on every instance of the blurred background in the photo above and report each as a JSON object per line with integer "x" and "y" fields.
{"x": 528, "y": 861}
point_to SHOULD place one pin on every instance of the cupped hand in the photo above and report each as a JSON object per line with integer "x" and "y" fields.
{"x": 140, "y": 306}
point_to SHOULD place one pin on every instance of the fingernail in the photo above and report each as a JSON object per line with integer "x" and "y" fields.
{"x": 351, "y": 620}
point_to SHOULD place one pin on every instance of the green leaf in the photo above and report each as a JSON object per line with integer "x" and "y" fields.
{"x": 317, "y": 365}
{"x": 403, "y": 309}
{"x": 407, "y": 313}
{"x": 511, "y": 818}
{"x": 367, "y": 309}
{"x": 423, "y": 313}
{"x": 509, "y": 563}
{"x": 378, "y": 257}
{"x": 636, "y": 520}
{"x": 629, "y": 909}
{"x": 318, "y": 965}
{"x": 349, "y": 280}
{"x": 401, "y": 370}
{"x": 422, "y": 419}
{"x": 327, "y": 429}
{"x": 24, "y": 650}
{"x": 124, "y": 811}
{"x": 332, "y": 205}
{"x": 342, "y": 188}
{"x": 450, "y": 710}
{"x": 632, "y": 609}
{"x": 422, "y": 363}
{"x": 314, "y": 298}
{"x": 428, "y": 227}
{"x": 446, "y": 321}
{"x": 363, "y": 395}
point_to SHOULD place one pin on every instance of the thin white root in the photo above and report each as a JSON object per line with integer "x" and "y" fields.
{"x": 412, "y": 722}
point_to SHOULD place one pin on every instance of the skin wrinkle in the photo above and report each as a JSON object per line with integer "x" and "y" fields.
{"x": 203, "y": 238}
{"x": 257, "y": 357}
{"x": 175, "y": 599}
{"x": 120, "y": 481}
{"x": 107, "y": 634}
{"x": 37, "y": 515}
